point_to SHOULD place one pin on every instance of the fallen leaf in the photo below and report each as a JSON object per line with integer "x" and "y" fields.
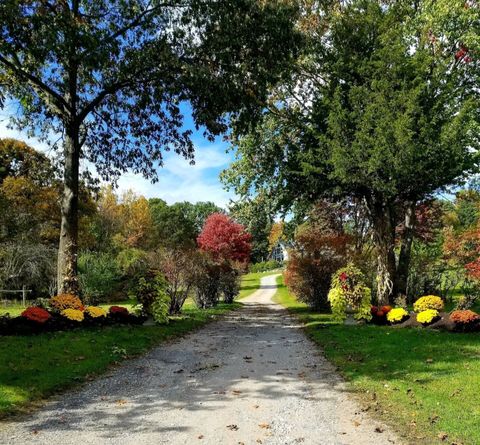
{"x": 443, "y": 435}
{"x": 259, "y": 441}
{"x": 236, "y": 392}
{"x": 201, "y": 436}
{"x": 232, "y": 427}
{"x": 265, "y": 426}
{"x": 378, "y": 430}
{"x": 356, "y": 423}
{"x": 120, "y": 402}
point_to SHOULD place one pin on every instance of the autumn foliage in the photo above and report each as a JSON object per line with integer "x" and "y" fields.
{"x": 225, "y": 239}
{"x": 322, "y": 248}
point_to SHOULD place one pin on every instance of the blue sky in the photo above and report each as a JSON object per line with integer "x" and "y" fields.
{"x": 178, "y": 180}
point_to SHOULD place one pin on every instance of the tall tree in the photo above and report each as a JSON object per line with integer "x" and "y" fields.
{"x": 109, "y": 77}
{"x": 382, "y": 107}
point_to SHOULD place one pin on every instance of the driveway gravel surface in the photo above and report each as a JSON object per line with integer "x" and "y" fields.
{"x": 251, "y": 377}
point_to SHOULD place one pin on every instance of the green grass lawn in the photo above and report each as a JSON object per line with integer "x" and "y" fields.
{"x": 33, "y": 367}
{"x": 251, "y": 282}
{"x": 422, "y": 382}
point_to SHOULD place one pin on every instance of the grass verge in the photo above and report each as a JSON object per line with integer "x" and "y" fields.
{"x": 34, "y": 367}
{"x": 423, "y": 382}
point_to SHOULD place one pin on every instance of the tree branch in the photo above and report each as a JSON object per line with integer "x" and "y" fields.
{"x": 56, "y": 100}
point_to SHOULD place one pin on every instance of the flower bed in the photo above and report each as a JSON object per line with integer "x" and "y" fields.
{"x": 34, "y": 320}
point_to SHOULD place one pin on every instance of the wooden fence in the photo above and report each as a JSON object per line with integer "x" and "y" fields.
{"x": 23, "y": 291}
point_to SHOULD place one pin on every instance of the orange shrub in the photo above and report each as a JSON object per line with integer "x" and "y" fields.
{"x": 65, "y": 301}
{"x": 464, "y": 317}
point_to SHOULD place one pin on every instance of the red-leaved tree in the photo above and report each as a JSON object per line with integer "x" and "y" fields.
{"x": 225, "y": 239}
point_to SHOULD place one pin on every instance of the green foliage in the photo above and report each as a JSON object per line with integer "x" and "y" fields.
{"x": 229, "y": 283}
{"x": 348, "y": 289}
{"x": 151, "y": 294}
{"x": 379, "y": 109}
{"x": 265, "y": 266}
{"x": 98, "y": 274}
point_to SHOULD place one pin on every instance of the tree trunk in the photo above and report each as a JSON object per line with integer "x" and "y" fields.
{"x": 405, "y": 250}
{"x": 67, "y": 251}
{"x": 383, "y": 224}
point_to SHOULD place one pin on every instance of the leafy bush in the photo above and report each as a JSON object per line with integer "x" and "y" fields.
{"x": 265, "y": 266}
{"x": 428, "y": 302}
{"x": 151, "y": 293}
{"x": 397, "y": 315}
{"x": 207, "y": 282}
{"x": 73, "y": 314}
{"x": 98, "y": 275}
{"x": 65, "y": 301}
{"x": 36, "y": 314}
{"x": 179, "y": 268}
{"x": 427, "y": 316}
{"x": 118, "y": 310}
{"x": 465, "y": 320}
{"x": 379, "y": 314}
{"x": 95, "y": 311}
{"x": 319, "y": 252}
{"x": 229, "y": 283}
{"x": 348, "y": 289}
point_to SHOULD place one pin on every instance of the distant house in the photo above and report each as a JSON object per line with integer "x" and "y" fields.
{"x": 279, "y": 252}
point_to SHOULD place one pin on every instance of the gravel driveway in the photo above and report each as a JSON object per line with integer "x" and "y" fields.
{"x": 250, "y": 378}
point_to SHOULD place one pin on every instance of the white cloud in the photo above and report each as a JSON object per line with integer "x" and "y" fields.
{"x": 180, "y": 181}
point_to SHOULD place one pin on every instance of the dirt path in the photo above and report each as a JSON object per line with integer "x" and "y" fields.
{"x": 250, "y": 378}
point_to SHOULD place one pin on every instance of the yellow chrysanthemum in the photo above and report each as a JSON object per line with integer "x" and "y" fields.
{"x": 396, "y": 315}
{"x": 95, "y": 311}
{"x": 73, "y": 314}
{"x": 427, "y": 316}
{"x": 428, "y": 302}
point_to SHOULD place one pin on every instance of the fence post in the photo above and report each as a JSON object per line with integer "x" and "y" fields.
{"x": 24, "y": 296}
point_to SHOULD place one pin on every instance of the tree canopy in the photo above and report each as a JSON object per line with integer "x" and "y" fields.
{"x": 108, "y": 79}
{"x": 382, "y": 106}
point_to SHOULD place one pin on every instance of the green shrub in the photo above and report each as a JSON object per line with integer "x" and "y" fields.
{"x": 98, "y": 275}
{"x": 151, "y": 294}
{"x": 265, "y": 266}
{"x": 229, "y": 283}
{"x": 348, "y": 289}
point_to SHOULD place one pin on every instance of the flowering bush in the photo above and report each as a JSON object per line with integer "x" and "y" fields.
{"x": 428, "y": 302}
{"x": 73, "y": 314}
{"x": 36, "y": 314}
{"x": 397, "y": 315}
{"x": 348, "y": 289}
{"x": 95, "y": 311}
{"x": 65, "y": 301}
{"x": 427, "y": 316}
{"x": 379, "y": 314}
{"x": 465, "y": 317}
{"x": 120, "y": 310}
